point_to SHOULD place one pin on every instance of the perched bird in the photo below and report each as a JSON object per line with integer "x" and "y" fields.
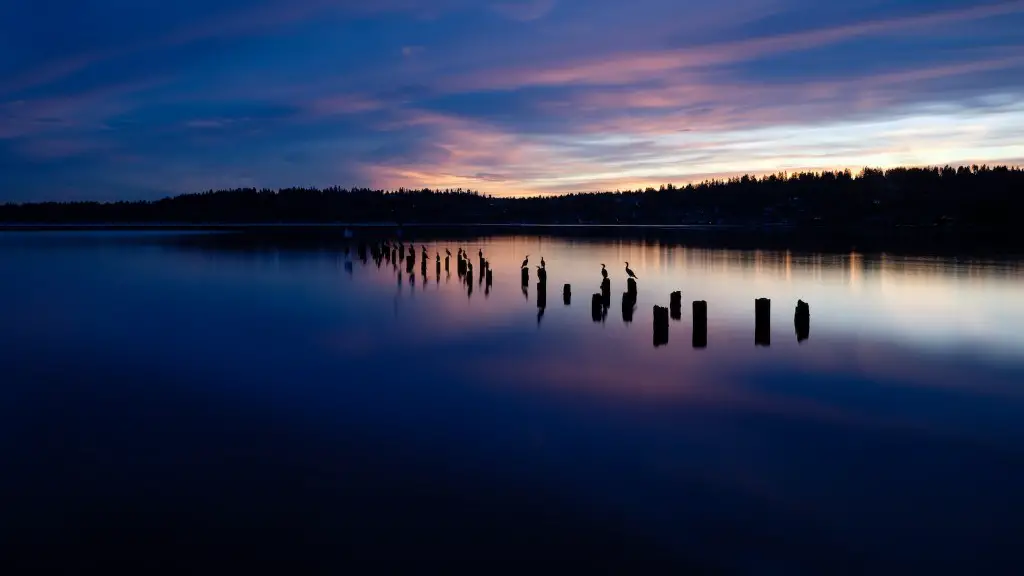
{"x": 604, "y": 271}
{"x": 526, "y": 262}
{"x": 630, "y": 272}
{"x": 447, "y": 251}
{"x": 438, "y": 257}
{"x": 542, "y": 262}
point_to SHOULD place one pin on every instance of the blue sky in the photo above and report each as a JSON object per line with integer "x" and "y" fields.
{"x": 107, "y": 99}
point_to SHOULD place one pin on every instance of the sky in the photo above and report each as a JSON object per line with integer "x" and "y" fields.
{"x": 137, "y": 99}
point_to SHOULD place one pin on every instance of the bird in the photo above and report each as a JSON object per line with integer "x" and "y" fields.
{"x": 481, "y": 253}
{"x": 449, "y": 252}
{"x": 542, "y": 262}
{"x": 526, "y": 262}
{"x": 604, "y": 272}
{"x": 630, "y": 272}
{"x": 438, "y": 257}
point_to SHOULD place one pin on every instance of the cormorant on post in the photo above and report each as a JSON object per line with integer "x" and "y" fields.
{"x": 438, "y": 257}
{"x": 449, "y": 252}
{"x": 630, "y": 272}
{"x": 604, "y": 271}
{"x": 526, "y": 262}
{"x": 481, "y": 253}
{"x": 542, "y": 262}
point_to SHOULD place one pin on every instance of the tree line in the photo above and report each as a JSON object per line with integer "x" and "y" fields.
{"x": 965, "y": 196}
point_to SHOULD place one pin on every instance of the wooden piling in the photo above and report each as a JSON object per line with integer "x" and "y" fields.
{"x": 567, "y": 294}
{"x": 631, "y": 286}
{"x": 676, "y": 305}
{"x": 596, "y": 307}
{"x": 525, "y": 276}
{"x": 762, "y": 322}
{"x": 802, "y": 321}
{"x": 700, "y": 324}
{"x": 660, "y": 326}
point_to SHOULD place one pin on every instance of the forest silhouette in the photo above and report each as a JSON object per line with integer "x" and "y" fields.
{"x": 978, "y": 197}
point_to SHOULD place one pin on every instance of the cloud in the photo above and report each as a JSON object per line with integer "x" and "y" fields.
{"x": 524, "y": 10}
{"x": 578, "y": 95}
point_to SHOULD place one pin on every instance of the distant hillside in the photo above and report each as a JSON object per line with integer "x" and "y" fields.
{"x": 977, "y": 197}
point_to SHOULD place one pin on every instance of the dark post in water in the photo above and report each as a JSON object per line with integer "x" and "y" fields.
{"x": 628, "y": 305}
{"x": 700, "y": 324}
{"x": 802, "y": 321}
{"x": 762, "y": 322}
{"x": 676, "y": 305}
{"x": 631, "y": 287}
{"x": 606, "y": 293}
{"x": 660, "y": 326}
{"x": 526, "y": 276}
{"x": 596, "y": 307}
{"x": 567, "y": 294}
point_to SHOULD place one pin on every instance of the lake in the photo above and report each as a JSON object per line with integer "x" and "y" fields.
{"x": 195, "y": 402}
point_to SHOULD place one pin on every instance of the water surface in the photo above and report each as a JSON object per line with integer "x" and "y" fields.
{"x": 199, "y": 399}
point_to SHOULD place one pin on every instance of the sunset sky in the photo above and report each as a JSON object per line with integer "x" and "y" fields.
{"x": 108, "y": 99}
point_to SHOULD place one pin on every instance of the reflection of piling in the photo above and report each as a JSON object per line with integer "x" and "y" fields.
{"x": 596, "y": 307}
{"x": 469, "y": 289}
{"x": 606, "y": 293}
{"x": 700, "y": 324}
{"x": 447, "y": 261}
{"x": 762, "y": 322}
{"x": 802, "y": 320}
{"x": 490, "y": 277}
{"x": 525, "y": 273}
{"x": 660, "y": 326}
{"x": 676, "y": 305}
{"x": 631, "y": 287}
{"x": 628, "y": 305}
{"x": 566, "y": 294}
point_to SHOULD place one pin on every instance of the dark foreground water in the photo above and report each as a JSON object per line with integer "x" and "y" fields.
{"x": 196, "y": 405}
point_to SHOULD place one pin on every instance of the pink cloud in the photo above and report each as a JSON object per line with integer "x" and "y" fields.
{"x": 630, "y": 67}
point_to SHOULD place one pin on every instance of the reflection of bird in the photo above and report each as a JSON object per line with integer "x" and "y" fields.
{"x": 630, "y": 272}
{"x": 526, "y": 262}
{"x": 541, "y": 261}
{"x": 604, "y": 271}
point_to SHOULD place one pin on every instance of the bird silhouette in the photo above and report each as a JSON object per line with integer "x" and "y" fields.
{"x": 604, "y": 271}
{"x": 542, "y": 262}
{"x": 449, "y": 252}
{"x": 630, "y": 272}
{"x": 526, "y": 261}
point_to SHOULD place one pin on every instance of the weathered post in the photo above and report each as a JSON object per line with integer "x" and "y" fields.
{"x": 596, "y": 307}
{"x": 567, "y": 294}
{"x": 606, "y": 293}
{"x": 542, "y": 295}
{"x": 490, "y": 277}
{"x": 802, "y": 320}
{"x": 676, "y": 305}
{"x": 660, "y": 326}
{"x": 542, "y": 275}
{"x": 525, "y": 272}
{"x": 628, "y": 305}
{"x": 447, "y": 261}
{"x": 762, "y": 322}
{"x": 631, "y": 287}
{"x": 700, "y": 324}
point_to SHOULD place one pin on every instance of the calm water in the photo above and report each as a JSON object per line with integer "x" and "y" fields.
{"x": 184, "y": 402}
